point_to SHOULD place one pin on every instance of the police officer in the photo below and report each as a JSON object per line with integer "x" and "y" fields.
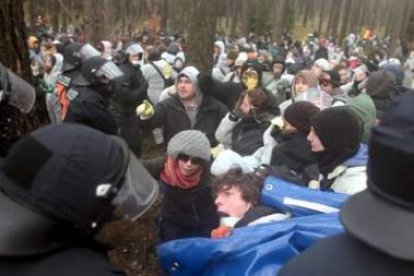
{"x": 14, "y": 93}
{"x": 90, "y": 92}
{"x": 131, "y": 92}
{"x": 58, "y": 186}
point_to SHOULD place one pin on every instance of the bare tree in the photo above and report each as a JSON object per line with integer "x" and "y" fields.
{"x": 201, "y": 31}
{"x": 14, "y": 55}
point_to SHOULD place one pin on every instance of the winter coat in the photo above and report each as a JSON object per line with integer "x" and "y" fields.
{"x": 244, "y": 136}
{"x": 90, "y": 108}
{"x": 293, "y": 156}
{"x": 64, "y": 262}
{"x": 188, "y": 213}
{"x": 344, "y": 255}
{"x": 261, "y": 214}
{"x": 172, "y": 116}
{"x": 154, "y": 79}
{"x": 350, "y": 177}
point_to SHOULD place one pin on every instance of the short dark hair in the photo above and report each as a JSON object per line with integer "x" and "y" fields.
{"x": 249, "y": 184}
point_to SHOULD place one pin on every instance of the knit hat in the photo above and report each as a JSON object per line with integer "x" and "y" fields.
{"x": 298, "y": 115}
{"x": 397, "y": 72}
{"x": 323, "y": 64}
{"x": 190, "y": 142}
{"x": 380, "y": 84}
{"x": 337, "y": 127}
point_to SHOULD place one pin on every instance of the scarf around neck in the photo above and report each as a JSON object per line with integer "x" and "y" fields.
{"x": 172, "y": 176}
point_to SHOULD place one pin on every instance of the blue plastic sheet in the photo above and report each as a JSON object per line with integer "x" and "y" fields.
{"x": 252, "y": 250}
{"x": 298, "y": 200}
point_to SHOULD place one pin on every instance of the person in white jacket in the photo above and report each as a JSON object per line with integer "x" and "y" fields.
{"x": 335, "y": 139}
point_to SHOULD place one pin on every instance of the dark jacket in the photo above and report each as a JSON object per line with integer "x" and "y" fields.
{"x": 345, "y": 255}
{"x": 248, "y": 136}
{"x": 88, "y": 107}
{"x": 229, "y": 92}
{"x": 188, "y": 213}
{"x": 172, "y": 116}
{"x": 292, "y": 158}
{"x": 65, "y": 262}
{"x": 132, "y": 90}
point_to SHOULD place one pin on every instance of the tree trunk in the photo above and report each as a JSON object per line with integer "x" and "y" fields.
{"x": 201, "y": 33}
{"x": 246, "y": 12}
{"x": 336, "y": 17}
{"x": 94, "y": 21}
{"x": 345, "y": 20}
{"x": 331, "y": 15}
{"x": 14, "y": 55}
{"x": 321, "y": 17}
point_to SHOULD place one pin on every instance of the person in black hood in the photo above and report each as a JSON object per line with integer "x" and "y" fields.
{"x": 58, "y": 186}
{"x": 378, "y": 222}
{"x": 380, "y": 87}
{"x": 90, "y": 95}
{"x": 399, "y": 74}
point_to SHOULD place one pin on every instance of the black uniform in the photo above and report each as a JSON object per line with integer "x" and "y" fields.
{"x": 130, "y": 93}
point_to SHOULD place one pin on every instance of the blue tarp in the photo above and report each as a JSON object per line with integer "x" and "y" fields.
{"x": 292, "y": 198}
{"x": 261, "y": 249}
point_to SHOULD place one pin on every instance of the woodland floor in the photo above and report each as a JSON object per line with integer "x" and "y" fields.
{"x": 134, "y": 242}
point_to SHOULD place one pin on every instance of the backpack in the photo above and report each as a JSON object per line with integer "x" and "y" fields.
{"x": 167, "y": 81}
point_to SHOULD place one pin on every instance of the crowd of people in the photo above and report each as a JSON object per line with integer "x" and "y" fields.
{"x": 303, "y": 112}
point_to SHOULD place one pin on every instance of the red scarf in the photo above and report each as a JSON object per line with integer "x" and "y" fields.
{"x": 172, "y": 176}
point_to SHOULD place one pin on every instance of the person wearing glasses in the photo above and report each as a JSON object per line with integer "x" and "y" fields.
{"x": 330, "y": 82}
{"x": 188, "y": 208}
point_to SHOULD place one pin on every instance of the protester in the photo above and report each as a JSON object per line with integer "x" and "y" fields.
{"x": 377, "y": 222}
{"x": 335, "y": 139}
{"x": 187, "y": 209}
{"x": 237, "y": 199}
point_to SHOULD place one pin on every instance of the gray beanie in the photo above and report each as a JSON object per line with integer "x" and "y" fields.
{"x": 190, "y": 142}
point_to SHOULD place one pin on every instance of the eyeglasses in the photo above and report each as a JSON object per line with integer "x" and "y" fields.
{"x": 194, "y": 160}
{"x": 324, "y": 82}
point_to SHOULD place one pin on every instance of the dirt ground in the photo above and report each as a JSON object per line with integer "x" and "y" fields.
{"x": 134, "y": 242}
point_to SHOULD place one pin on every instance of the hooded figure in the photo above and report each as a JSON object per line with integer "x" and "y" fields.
{"x": 378, "y": 221}
{"x": 380, "y": 86}
{"x": 188, "y": 108}
{"x": 335, "y": 141}
{"x": 55, "y": 201}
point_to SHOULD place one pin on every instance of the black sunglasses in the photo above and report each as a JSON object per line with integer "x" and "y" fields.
{"x": 185, "y": 158}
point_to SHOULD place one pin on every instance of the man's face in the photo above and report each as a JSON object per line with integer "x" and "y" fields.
{"x": 134, "y": 59}
{"x": 316, "y": 70}
{"x": 185, "y": 88}
{"x": 230, "y": 202}
{"x": 316, "y": 144}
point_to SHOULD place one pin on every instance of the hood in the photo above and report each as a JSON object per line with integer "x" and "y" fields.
{"x": 221, "y": 46}
{"x": 360, "y": 158}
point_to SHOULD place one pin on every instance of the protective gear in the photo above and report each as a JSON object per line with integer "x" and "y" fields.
{"x": 79, "y": 178}
{"x": 97, "y": 70}
{"x": 15, "y": 91}
{"x": 71, "y": 59}
{"x": 145, "y": 110}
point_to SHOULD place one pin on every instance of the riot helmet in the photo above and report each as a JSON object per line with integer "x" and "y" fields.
{"x": 70, "y": 175}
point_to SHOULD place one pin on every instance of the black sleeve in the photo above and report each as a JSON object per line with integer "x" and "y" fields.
{"x": 226, "y": 92}
{"x": 155, "y": 166}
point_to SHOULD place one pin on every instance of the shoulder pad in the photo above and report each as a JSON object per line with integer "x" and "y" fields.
{"x": 72, "y": 94}
{"x": 64, "y": 80}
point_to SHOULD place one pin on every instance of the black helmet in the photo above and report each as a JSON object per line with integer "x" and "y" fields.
{"x": 71, "y": 58}
{"x": 15, "y": 91}
{"x": 75, "y": 53}
{"x": 70, "y": 175}
{"x": 97, "y": 69}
